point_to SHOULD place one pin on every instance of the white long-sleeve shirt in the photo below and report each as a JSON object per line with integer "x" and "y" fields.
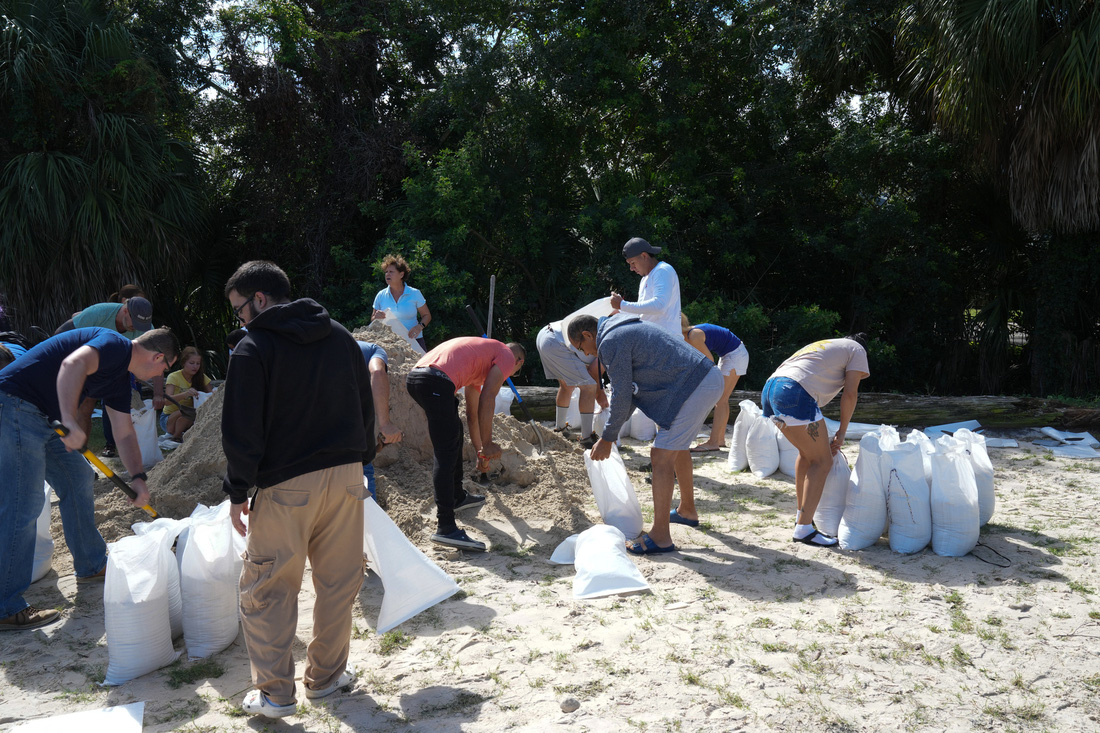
{"x": 658, "y": 299}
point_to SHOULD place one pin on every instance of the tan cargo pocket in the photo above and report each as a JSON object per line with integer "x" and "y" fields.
{"x": 359, "y": 491}
{"x": 288, "y": 497}
{"x": 255, "y": 582}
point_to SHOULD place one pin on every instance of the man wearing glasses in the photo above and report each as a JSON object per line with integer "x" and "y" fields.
{"x": 46, "y": 384}
{"x": 297, "y": 424}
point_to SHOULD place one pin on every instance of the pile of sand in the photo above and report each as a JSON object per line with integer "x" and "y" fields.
{"x": 544, "y": 488}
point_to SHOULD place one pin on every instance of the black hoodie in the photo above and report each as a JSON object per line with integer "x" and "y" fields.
{"x": 297, "y": 399}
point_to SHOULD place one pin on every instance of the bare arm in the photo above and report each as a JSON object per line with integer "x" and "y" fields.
{"x": 472, "y": 404}
{"x": 380, "y": 390}
{"x": 70, "y": 381}
{"x": 129, "y": 451}
{"x": 698, "y": 339}
{"x": 848, "y": 401}
{"x": 485, "y": 409}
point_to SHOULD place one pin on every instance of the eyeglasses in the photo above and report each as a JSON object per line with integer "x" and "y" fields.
{"x": 237, "y": 311}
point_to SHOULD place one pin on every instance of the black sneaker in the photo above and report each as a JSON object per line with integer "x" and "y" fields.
{"x": 458, "y": 539}
{"x": 470, "y": 500}
{"x": 588, "y": 442}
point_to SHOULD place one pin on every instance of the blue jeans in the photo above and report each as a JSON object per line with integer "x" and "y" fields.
{"x": 31, "y": 453}
{"x": 368, "y": 474}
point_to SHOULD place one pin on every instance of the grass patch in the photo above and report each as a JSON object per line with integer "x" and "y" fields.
{"x": 180, "y": 674}
{"x": 392, "y": 642}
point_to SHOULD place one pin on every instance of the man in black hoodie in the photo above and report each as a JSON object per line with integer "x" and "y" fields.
{"x": 296, "y": 424}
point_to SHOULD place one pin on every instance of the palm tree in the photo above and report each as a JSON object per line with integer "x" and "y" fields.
{"x": 93, "y": 193}
{"x": 1022, "y": 81}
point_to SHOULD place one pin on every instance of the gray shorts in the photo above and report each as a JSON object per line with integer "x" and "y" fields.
{"x": 692, "y": 414}
{"x": 559, "y": 361}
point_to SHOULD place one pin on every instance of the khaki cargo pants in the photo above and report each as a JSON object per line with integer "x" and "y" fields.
{"x": 319, "y": 516}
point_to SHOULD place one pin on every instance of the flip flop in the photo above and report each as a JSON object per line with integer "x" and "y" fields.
{"x": 675, "y": 518}
{"x": 648, "y": 547}
{"x": 701, "y": 449}
{"x": 809, "y": 539}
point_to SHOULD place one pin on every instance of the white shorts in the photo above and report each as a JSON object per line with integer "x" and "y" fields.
{"x": 735, "y": 361}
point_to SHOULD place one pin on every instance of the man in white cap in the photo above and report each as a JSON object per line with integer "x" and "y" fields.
{"x": 658, "y": 292}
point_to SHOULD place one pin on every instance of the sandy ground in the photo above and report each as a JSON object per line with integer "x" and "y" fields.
{"x": 743, "y": 630}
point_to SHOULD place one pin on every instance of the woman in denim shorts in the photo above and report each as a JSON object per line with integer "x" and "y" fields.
{"x": 793, "y": 397}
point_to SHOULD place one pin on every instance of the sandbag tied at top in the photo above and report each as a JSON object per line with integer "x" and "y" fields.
{"x": 864, "y": 518}
{"x": 762, "y": 447}
{"x": 922, "y": 441}
{"x": 788, "y": 454}
{"x": 210, "y": 573}
{"x": 145, "y": 426}
{"x": 907, "y": 498}
{"x": 642, "y": 427}
{"x": 614, "y": 493}
{"x": 983, "y": 473}
{"x": 135, "y": 608}
{"x": 954, "y": 499}
{"x": 738, "y": 459}
{"x": 168, "y": 530}
{"x": 834, "y": 497}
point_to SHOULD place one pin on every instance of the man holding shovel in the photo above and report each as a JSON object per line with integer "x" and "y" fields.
{"x": 297, "y": 423}
{"x": 47, "y": 384}
{"x": 480, "y": 366}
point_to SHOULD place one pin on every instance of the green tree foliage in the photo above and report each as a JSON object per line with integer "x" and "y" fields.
{"x": 93, "y": 192}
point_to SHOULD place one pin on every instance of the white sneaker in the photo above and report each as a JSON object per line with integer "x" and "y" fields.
{"x": 256, "y": 703}
{"x": 346, "y": 679}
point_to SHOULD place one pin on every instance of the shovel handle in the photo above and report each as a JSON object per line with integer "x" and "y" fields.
{"x": 61, "y": 430}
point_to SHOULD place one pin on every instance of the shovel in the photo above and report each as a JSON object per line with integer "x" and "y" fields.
{"x": 125, "y": 487}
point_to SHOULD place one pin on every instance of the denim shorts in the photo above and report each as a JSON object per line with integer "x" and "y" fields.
{"x": 784, "y": 401}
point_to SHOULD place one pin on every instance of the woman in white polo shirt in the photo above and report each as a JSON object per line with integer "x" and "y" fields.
{"x": 405, "y": 301}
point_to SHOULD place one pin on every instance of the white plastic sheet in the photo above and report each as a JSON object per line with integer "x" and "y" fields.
{"x": 117, "y": 719}
{"x": 412, "y": 582}
{"x": 603, "y": 567}
{"x": 614, "y": 493}
{"x": 855, "y": 431}
{"x": 399, "y": 329}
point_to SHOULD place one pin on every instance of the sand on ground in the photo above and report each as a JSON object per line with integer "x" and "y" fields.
{"x": 742, "y": 629}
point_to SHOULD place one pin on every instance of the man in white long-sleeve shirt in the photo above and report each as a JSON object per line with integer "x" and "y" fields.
{"x": 659, "y": 291}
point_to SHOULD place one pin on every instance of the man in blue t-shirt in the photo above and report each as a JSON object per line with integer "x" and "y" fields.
{"x": 378, "y": 366}
{"x": 45, "y": 384}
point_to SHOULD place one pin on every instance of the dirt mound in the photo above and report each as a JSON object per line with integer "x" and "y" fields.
{"x": 548, "y": 487}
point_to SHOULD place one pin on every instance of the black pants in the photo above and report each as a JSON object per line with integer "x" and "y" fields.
{"x": 437, "y": 396}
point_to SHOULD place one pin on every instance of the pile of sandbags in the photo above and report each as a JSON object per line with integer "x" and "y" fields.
{"x": 919, "y": 492}
{"x": 758, "y": 444}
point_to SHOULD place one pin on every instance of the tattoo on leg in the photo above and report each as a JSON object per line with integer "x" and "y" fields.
{"x": 811, "y": 429}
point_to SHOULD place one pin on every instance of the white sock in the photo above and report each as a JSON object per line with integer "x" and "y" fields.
{"x": 801, "y": 530}
{"x": 559, "y": 416}
{"x": 798, "y": 517}
{"x": 587, "y": 418}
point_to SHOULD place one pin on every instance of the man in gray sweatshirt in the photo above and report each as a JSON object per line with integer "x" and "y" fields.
{"x": 675, "y": 386}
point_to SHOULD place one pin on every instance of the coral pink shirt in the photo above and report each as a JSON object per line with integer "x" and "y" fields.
{"x": 468, "y": 359}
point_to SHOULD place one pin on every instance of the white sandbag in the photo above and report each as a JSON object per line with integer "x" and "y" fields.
{"x": 834, "y": 497}
{"x": 864, "y": 518}
{"x": 566, "y": 552}
{"x": 642, "y": 427}
{"x": 983, "y": 473}
{"x": 603, "y": 567}
{"x": 788, "y": 454}
{"x": 927, "y": 449}
{"x": 145, "y": 425}
{"x": 738, "y": 459}
{"x": 210, "y": 573}
{"x": 504, "y": 399}
{"x": 599, "y": 420}
{"x": 614, "y": 493}
{"x": 907, "y": 498}
{"x": 412, "y": 582}
{"x": 200, "y": 399}
{"x": 954, "y": 499}
{"x": 399, "y": 330}
{"x": 761, "y": 447}
{"x": 135, "y": 608}
{"x": 168, "y": 530}
{"x": 573, "y": 412}
{"x": 43, "y": 541}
